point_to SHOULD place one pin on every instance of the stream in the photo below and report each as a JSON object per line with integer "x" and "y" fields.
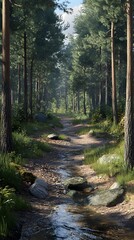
{"x": 71, "y": 220}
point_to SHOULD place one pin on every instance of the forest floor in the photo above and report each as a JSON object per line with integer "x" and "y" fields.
{"x": 54, "y": 167}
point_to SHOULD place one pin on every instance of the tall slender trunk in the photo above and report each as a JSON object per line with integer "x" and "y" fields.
{"x": 19, "y": 84}
{"x": 129, "y": 141}
{"x": 114, "y": 95}
{"x": 106, "y": 86}
{"x": 66, "y": 97}
{"x": 84, "y": 102}
{"x": 74, "y": 102}
{"x": 25, "y": 78}
{"x": 6, "y": 131}
{"x": 31, "y": 90}
{"x": 78, "y": 101}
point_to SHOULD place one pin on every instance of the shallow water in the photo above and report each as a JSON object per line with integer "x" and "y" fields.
{"x": 73, "y": 221}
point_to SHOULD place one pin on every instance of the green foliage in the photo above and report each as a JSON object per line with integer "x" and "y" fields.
{"x": 8, "y": 203}
{"x": 63, "y": 137}
{"x": 101, "y": 114}
{"x": 92, "y": 154}
{"x": 117, "y": 168}
{"x": 28, "y": 147}
{"x": 8, "y": 173}
{"x": 53, "y": 121}
{"x": 17, "y": 117}
{"x": 79, "y": 118}
{"x": 125, "y": 176}
{"x": 111, "y": 169}
{"x": 104, "y": 129}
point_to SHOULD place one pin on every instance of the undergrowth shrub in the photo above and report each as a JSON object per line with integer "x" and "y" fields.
{"x": 9, "y": 202}
{"x": 8, "y": 173}
{"x": 17, "y": 117}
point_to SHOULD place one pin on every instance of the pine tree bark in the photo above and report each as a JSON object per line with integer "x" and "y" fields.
{"x": 84, "y": 102}
{"x": 31, "y": 90}
{"x": 129, "y": 141}
{"x": 19, "y": 84}
{"x": 25, "y": 79}
{"x": 6, "y": 132}
{"x": 114, "y": 95}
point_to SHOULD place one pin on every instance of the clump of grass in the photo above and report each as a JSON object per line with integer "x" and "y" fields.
{"x": 104, "y": 129}
{"x": 79, "y": 118}
{"x": 92, "y": 154}
{"x": 116, "y": 168}
{"x": 110, "y": 169}
{"x": 54, "y": 121}
{"x": 125, "y": 176}
{"x": 28, "y": 147}
{"x": 63, "y": 137}
{"x": 34, "y": 127}
{"x": 9, "y": 202}
{"x": 8, "y": 173}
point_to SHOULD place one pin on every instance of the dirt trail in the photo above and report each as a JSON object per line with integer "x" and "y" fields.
{"x": 65, "y": 160}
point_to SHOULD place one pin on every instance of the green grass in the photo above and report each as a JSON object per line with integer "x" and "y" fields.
{"x": 125, "y": 176}
{"x": 115, "y": 169}
{"x": 28, "y": 147}
{"x": 63, "y": 137}
{"x": 104, "y": 129}
{"x": 9, "y": 202}
{"x": 52, "y": 122}
{"x": 8, "y": 173}
{"x": 79, "y": 118}
{"x": 92, "y": 154}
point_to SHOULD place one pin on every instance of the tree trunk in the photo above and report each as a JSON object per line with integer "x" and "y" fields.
{"x": 78, "y": 101}
{"x": 84, "y": 102}
{"x": 129, "y": 142}
{"x": 106, "y": 86}
{"x": 6, "y": 131}
{"x": 19, "y": 85}
{"x": 114, "y": 95}
{"x": 25, "y": 78}
{"x": 31, "y": 90}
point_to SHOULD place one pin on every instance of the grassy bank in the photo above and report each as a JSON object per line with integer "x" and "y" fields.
{"x": 115, "y": 145}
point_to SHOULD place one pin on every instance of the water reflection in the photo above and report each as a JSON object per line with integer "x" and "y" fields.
{"x": 68, "y": 226}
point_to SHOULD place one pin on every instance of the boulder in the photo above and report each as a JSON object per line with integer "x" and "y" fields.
{"x": 108, "y": 198}
{"x": 108, "y": 158}
{"x": 53, "y": 136}
{"x": 40, "y": 117}
{"x": 39, "y": 189}
{"x": 41, "y": 182}
{"x": 76, "y": 183}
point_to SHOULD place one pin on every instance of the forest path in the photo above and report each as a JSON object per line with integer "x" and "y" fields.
{"x": 58, "y": 216}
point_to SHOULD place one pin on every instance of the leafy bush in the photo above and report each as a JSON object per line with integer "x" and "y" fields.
{"x": 8, "y": 203}
{"x": 17, "y": 117}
